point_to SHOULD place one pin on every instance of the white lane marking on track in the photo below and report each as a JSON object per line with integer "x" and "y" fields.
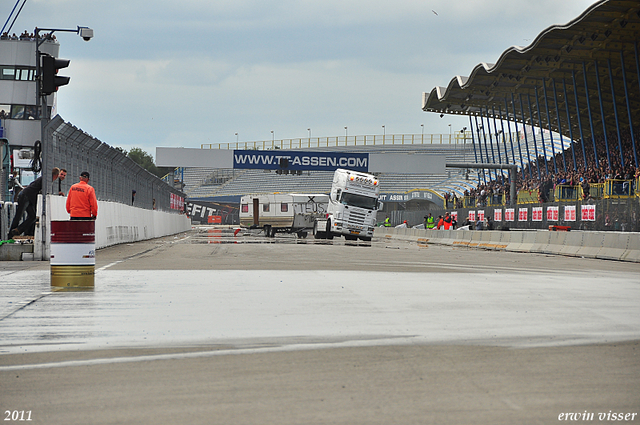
{"x": 189, "y": 355}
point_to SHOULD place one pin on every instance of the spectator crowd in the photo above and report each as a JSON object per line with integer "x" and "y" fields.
{"x": 543, "y": 175}
{"x": 27, "y": 36}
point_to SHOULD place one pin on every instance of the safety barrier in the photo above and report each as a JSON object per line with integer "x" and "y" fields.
{"x": 496, "y": 200}
{"x": 469, "y": 201}
{"x": 618, "y": 189}
{"x": 622, "y": 246}
{"x": 565, "y": 192}
{"x": 528, "y": 196}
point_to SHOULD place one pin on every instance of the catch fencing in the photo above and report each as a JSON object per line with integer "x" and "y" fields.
{"x": 114, "y": 176}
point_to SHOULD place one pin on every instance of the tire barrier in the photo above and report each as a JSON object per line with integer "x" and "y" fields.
{"x": 73, "y": 259}
{"x": 620, "y": 246}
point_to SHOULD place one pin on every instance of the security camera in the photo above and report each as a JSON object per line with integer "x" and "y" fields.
{"x": 85, "y": 33}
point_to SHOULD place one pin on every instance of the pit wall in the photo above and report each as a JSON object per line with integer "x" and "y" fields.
{"x": 117, "y": 223}
{"x": 602, "y": 245}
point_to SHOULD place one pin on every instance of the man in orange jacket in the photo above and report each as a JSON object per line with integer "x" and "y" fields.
{"x": 81, "y": 201}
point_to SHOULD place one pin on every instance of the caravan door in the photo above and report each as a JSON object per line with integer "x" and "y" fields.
{"x": 256, "y": 212}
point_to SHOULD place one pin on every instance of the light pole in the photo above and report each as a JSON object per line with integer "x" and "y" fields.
{"x": 422, "y": 127}
{"x": 345, "y": 136}
{"x": 384, "y": 133}
{"x": 43, "y": 114}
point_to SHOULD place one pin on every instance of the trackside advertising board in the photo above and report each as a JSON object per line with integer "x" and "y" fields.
{"x": 300, "y": 160}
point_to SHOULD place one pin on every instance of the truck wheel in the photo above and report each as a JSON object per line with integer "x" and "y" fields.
{"x": 329, "y": 235}
{"x": 302, "y": 235}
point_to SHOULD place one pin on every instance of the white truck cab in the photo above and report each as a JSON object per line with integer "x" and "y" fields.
{"x": 353, "y": 206}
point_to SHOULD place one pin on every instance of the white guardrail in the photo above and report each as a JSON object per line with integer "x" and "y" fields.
{"x": 116, "y": 223}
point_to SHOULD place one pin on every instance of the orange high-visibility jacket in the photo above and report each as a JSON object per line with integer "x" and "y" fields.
{"x": 81, "y": 201}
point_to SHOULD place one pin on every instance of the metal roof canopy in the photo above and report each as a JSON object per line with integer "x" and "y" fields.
{"x": 598, "y": 42}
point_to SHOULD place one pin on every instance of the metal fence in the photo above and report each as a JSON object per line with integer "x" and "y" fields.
{"x": 344, "y": 141}
{"x": 114, "y": 176}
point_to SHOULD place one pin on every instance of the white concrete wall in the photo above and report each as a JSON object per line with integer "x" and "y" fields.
{"x": 118, "y": 223}
{"x": 622, "y": 246}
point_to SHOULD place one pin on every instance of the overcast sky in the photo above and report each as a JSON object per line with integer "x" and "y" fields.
{"x": 192, "y": 72}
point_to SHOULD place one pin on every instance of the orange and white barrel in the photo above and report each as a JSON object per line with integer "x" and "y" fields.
{"x": 73, "y": 254}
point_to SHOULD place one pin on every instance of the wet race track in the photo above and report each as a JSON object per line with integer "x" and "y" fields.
{"x": 212, "y": 327}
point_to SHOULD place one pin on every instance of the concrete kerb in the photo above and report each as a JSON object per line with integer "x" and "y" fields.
{"x": 515, "y": 241}
{"x": 448, "y": 237}
{"x": 476, "y": 239}
{"x": 528, "y": 241}
{"x": 614, "y": 246}
{"x": 555, "y": 242}
{"x": 572, "y": 243}
{"x": 592, "y": 242}
{"x": 540, "y": 241}
{"x": 462, "y": 238}
{"x": 505, "y": 239}
{"x": 633, "y": 249}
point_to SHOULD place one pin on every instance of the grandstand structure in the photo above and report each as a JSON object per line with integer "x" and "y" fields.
{"x": 579, "y": 80}
{"x": 220, "y": 184}
{"x": 227, "y": 185}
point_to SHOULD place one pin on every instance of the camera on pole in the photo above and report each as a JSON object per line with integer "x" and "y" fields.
{"x": 50, "y": 80}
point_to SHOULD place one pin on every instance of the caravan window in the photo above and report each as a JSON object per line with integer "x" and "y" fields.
{"x": 265, "y": 207}
{"x": 245, "y": 208}
{"x": 284, "y": 207}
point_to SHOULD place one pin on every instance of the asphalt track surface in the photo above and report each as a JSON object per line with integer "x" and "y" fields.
{"x": 208, "y": 328}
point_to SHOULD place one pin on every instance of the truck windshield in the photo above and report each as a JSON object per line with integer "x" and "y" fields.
{"x": 354, "y": 200}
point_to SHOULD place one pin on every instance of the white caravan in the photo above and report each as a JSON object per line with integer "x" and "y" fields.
{"x": 283, "y": 212}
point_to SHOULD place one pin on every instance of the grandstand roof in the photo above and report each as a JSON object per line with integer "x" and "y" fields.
{"x": 598, "y": 41}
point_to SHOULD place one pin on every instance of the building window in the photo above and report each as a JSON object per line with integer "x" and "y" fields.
{"x": 17, "y": 73}
{"x": 17, "y": 112}
{"x": 5, "y": 111}
{"x": 20, "y": 112}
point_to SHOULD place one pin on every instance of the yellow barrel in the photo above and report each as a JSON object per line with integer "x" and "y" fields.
{"x": 80, "y": 277}
{"x": 73, "y": 258}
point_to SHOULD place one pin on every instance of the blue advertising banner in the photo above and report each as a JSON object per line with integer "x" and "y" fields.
{"x": 300, "y": 160}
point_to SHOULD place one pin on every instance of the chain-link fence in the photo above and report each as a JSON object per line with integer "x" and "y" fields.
{"x": 114, "y": 176}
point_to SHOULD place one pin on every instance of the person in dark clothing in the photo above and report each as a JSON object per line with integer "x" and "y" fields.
{"x": 27, "y": 201}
